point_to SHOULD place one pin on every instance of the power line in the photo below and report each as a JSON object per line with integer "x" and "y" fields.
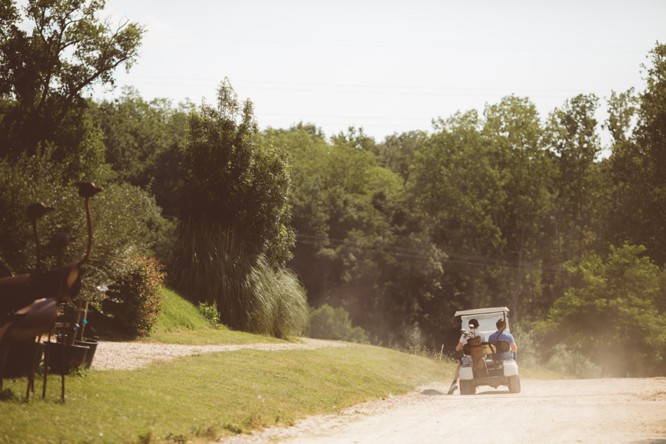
{"x": 455, "y": 258}
{"x": 359, "y": 88}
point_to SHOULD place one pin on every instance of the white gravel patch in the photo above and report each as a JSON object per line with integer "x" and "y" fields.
{"x": 135, "y": 355}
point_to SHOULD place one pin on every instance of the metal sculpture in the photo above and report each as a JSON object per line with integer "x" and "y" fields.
{"x": 28, "y": 302}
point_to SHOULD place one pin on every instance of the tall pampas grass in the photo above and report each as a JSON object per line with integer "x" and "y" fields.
{"x": 210, "y": 264}
{"x": 280, "y": 304}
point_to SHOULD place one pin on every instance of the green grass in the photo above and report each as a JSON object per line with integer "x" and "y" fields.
{"x": 181, "y": 323}
{"x": 202, "y": 398}
{"x": 179, "y": 314}
{"x": 209, "y": 396}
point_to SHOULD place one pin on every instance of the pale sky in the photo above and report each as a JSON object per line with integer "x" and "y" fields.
{"x": 388, "y": 66}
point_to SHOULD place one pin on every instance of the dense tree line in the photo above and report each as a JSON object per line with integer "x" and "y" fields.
{"x": 501, "y": 207}
{"x": 494, "y": 207}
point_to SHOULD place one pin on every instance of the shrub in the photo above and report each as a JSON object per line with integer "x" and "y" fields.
{"x": 209, "y": 311}
{"x": 134, "y": 299}
{"x": 568, "y": 362}
{"x": 126, "y": 221}
{"x": 212, "y": 264}
{"x": 278, "y": 302}
{"x": 327, "y": 322}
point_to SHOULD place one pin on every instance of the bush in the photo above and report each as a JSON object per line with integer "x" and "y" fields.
{"x": 126, "y": 221}
{"x": 278, "y": 302}
{"x": 327, "y": 322}
{"x": 134, "y": 299}
{"x": 209, "y": 311}
{"x": 568, "y": 362}
{"x": 212, "y": 266}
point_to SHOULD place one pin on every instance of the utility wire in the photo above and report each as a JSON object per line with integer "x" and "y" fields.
{"x": 412, "y": 253}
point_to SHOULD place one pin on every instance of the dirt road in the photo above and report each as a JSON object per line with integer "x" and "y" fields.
{"x": 563, "y": 411}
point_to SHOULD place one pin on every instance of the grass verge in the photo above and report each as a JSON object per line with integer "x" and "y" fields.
{"x": 206, "y": 397}
{"x": 180, "y": 322}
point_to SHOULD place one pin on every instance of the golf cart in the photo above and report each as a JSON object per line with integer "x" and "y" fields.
{"x": 487, "y": 363}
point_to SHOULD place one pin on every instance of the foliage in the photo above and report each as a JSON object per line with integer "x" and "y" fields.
{"x": 638, "y": 165}
{"x": 233, "y": 237}
{"x": 209, "y": 312}
{"x": 279, "y": 306}
{"x": 513, "y": 130}
{"x": 480, "y": 188}
{"x": 397, "y": 152}
{"x": 125, "y": 221}
{"x": 327, "y": 322}
{"x": 144, "y": 143}
{"x": 212, "y": 265}
{"x": 610, "y": 314}
{"x": 134, "y": 300}
{"x": 51, "y": 52}
{"x": 571, "y": 133}
{"x": 233, "y": 179}
{"x": 352, "y": 228}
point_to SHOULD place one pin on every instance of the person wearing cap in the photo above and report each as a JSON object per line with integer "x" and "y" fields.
{"x": 474, "y": 330}
{"x": 502, "y": 335}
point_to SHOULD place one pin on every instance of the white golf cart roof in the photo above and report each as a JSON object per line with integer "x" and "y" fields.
{"x": 486, "y": 317}
{"x": 481, "y": 311}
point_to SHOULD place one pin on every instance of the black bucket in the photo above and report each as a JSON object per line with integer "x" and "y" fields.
{"x": 92, "y": 348}
{"x": 63, "y": 358}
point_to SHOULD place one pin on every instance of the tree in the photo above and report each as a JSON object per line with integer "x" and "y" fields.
{"x": 513, "y": 131}
{"x": 233, "y": 236}
{"x": 457, "y": 191}
{"x": 397, "y": 151}
{"x": 145, "y": 142}
{"x": 233, "y": 179}
{"x": 51, "y": 52}
{"x": 576, "y": 217}
{"x": 638, "y": 164}
{"x": 358, "y": 247}
{"x": 610, "y": 314}
{"x": 571, "y": 135}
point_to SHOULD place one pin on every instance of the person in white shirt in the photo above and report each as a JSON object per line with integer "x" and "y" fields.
{"x": 473, "y": 333}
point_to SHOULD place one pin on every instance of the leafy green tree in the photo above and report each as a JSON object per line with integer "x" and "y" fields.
{"x": 638, "y": 164}
{"x": 513, "y": 132}
{"x": 571, "y": 135}
{"x": 307, "y": 151}
{"x": 573, "y": 226}
{"x": 126, "y": 221}
{"x": 235, "y": 180}
{"x": 610, "y": 313}
{"x": 358, "y": 246}
{"x": 145, "y": 142}
{"x": 233, "y": 237}
{"x": 458, "y": 192}
{"x": 355, "y": 138}
{"x": 398, "y": 150}
{"x": 51, "y": 53}
{"x": 621, "y": 113}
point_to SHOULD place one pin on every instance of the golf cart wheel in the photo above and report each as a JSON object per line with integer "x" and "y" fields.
{"x": 514, "y": 384}
{"x": 467, "y": 388}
